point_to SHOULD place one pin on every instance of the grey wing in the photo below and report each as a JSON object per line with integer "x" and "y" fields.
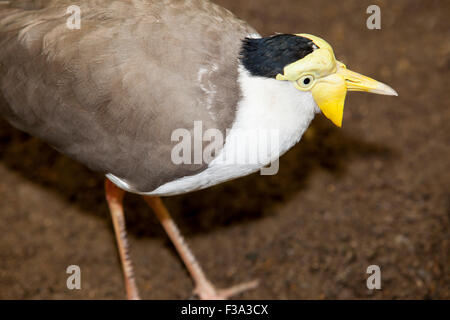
{"x": 111, "y": 94}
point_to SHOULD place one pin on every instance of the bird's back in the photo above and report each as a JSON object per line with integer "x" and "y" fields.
{"x": 111, "y": 93}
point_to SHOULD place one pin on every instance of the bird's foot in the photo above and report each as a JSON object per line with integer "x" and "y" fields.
{"x": 207, "y": 291}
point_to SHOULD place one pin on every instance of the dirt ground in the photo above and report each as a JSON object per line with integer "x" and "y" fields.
{"x": 375, "y": 192}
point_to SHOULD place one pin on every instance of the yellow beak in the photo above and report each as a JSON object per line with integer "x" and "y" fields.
{"x": 329, "y": 92}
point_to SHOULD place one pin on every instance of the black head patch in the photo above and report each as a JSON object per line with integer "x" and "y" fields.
{"x": 267, "y": 57}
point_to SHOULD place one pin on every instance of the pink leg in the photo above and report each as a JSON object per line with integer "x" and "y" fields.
{"x": 203, "y": 287}
{"x": 114, "y": 196}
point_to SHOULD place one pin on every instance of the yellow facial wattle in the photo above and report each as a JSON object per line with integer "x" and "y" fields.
{"x": 329, "y": 94}
{"x": 328, "y": 79}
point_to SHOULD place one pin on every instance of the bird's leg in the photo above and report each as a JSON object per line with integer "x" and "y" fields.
{"x": 203, "y": 287}
{"x": 114, "y": 196}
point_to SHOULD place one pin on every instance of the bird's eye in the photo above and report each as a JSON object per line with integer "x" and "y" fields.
{"x": 305, "y": 81}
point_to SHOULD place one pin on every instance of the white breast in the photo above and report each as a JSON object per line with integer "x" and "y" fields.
{"x": 268, "y": 105}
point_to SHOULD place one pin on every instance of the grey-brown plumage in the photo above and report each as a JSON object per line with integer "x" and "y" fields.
{"x": 111, "y": 93}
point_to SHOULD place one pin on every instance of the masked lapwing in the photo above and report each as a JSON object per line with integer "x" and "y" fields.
{"x": 118, "y": 91}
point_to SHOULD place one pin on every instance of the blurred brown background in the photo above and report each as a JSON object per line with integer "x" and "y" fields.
{"x": 374, "y": 192}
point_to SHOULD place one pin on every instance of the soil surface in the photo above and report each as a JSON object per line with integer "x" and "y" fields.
{"x": 375, "y": 192}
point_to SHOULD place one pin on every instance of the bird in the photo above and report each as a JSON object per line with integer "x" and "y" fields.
{"x": 126, "y": 92}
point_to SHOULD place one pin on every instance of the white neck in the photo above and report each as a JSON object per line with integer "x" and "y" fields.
{"x": 274, "y": 105}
